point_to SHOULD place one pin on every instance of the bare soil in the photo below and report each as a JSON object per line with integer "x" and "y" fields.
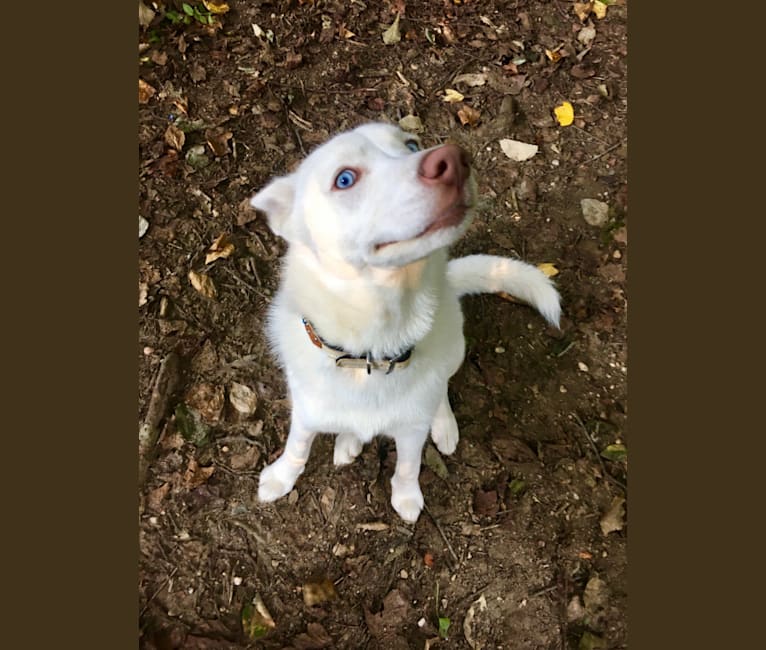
{"x": 516, "y": 549}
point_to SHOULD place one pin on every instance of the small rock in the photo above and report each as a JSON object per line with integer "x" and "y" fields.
{"x": 582, "y": 366}
{"x": 143, "y": 226}
{"x": 243, "y": 398}
{"x": 594, "y": 211}
{"x": 411, "y": 123}
{"x": 575, "y": 610}
{"x": 403, "y": 574}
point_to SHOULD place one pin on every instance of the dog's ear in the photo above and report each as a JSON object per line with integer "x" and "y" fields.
{"x": 276, "y": 201}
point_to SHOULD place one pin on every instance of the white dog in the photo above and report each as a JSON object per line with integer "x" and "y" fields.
{"x": 367, "y": 321}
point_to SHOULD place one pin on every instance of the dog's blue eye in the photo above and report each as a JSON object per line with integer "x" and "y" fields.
{"x": 412, "y": 145}
{"x": 345, "y": 179}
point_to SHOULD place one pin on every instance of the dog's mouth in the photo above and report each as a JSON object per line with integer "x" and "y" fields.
{"x": 452, "y": 216}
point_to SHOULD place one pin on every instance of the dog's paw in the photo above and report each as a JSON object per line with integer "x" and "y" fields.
{"x": 445, "y": 433}
{"x": 408, "y": 502}
{"x": 347, "y": 448}
{"x": 274, "y": 483}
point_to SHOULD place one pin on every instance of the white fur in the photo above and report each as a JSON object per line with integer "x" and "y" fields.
{"x": 364, "y": 297}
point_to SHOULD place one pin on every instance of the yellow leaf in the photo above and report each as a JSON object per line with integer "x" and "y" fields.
{"x": 392, "y": 34}
{"x": 553, "y": 55}
{"x": 583, "y": 9}
{"x": 203, "y": 284}
{"x": 216, "y": 7}
{"x": 452, "y": 96}
{"x": 220, "y": 248}
{"x": 564, "y": 114}
{"x": 548, "y": 268}
{"x": 599, "y": 9}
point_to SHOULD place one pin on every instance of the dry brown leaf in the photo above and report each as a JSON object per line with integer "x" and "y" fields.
{"x": 155, "y": 497}
{"x": 194, "y": 476}
{"x": 145, "y": 14}
{"x": 243, "y": 398}
{"x": 319, "y": 591}
{"x": 145, "y": 92}
{"x": 428, "y": 560}
{"x": 373, "y": 525}
{"x": 393, "y": 617}
{"x": 469, "y": 115}
{"x": 220, "y": 248}
{"x": 219, "y": 142}
{"x": 247, "y": 460}
{"x": 203, "y": 283}
{"x": 614, "y": 518}
{"x": 471, "y": 79}
{"x": 174, "y": 137}
{"x": 392, "y": 34}
{"x": 206, "y": 400}
{"x": 553, "y": 55}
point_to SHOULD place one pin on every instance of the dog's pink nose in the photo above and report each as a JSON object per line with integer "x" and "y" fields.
{"x": 448, "y": 165}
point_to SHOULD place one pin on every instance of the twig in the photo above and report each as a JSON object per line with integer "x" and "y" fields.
{"x": 603, "y": 153}
{"x": 441, "y": 532}
{"x": 159, "y": 589}
{"x": 149, "y": 431}
{"x": 598, "y": 455}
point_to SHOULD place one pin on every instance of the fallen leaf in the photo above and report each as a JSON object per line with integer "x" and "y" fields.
{"x": 393, "y": 617}
{"x": 518, "y": 151}
{"x": 599, "y": 9}
{"x": 256, "y": 619}
{"x": 293, "y": 60}
{"x": 155, "y": 497}
{"x": 314, "y": 638}
{"x": 191, "y": 426}
{"x": 582, "y": 71}
{"x": 517, "y": 486}
{"x": 617, "y": 452}
{"x": 194, "y": 476}
{"x": 219, "y": 142}
{"x": 582, "y": 10}
{"x": 468, "y": 115}
{"x": 411, "y": 123}
{"x": 203, "y": 284}
{"x": 206, "y": 400}
{"x": 327, "y": 501}
{"x": 549, "y": 269}
{"x": 196, "y": 157}
{"x": 221, "y": 248}
{"x": 319, "y": 591}
{"x": 478, "y": 606}
{"x": 554, "y": 56}
{"x": 444, "y": 624}
{"x": 143, "y": 293}
{"x": 614, "y": 518}
{"x": 452, "y": 96}
{"x": 595, "y": 595}
{"x": 485, "y": 503}
{"x": 243, "y": 398}
{"x": 471, "y": 79}
{"x": 216, "y": 7}
{"x": 564, "y": 114}
{"x": 145, "y": 14}
{"x": 428, "y": 560}
{"x": 586, "y": 34}
{"x": 145, "y": 92}
{"x": 376, "y": 526}
{"x": 589, "y": 641}
{"x": 245, "y": 460}
{"x": 174, "y": 137}
{"x": 433, "y": 460}
{"x": 392, "y": 34}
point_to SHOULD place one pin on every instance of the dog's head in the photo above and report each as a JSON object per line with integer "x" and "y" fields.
{"x": 371, "y": 197}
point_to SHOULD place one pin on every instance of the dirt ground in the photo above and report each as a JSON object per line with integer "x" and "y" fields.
{"x": 523, "y": 545}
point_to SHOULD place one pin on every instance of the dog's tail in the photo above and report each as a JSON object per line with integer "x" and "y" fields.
{"x": 491, "y": 274}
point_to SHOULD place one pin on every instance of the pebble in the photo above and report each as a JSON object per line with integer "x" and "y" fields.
{"x": 143, "y": 226}
{"x": 595, "y": 212}
{"x": 499, "y": 350}
{"x": 403, "y": 574}
{"x": 237, "y": 581}
{"x": 582, "y": 366}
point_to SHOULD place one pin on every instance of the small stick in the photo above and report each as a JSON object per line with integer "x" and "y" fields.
{"x": 159, "y": 589}
{"x": 603, "y": 153}
{"x": 441, "y": 532}
{"x": 149, "y": 431}
{"x": 598, "y": 455}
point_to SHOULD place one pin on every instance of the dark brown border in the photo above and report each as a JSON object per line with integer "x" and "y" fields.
{"x": 690, "y": 447}
{"x": 69, "y": 253}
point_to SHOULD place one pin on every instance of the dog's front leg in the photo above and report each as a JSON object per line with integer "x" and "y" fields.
{"x": 406, "y": 497}
{"x": 278, "y": 479}
{"x": 444, "y": 431}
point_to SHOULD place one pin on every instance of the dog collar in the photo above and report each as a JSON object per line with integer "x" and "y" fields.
{"x": 344, "y": 360}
